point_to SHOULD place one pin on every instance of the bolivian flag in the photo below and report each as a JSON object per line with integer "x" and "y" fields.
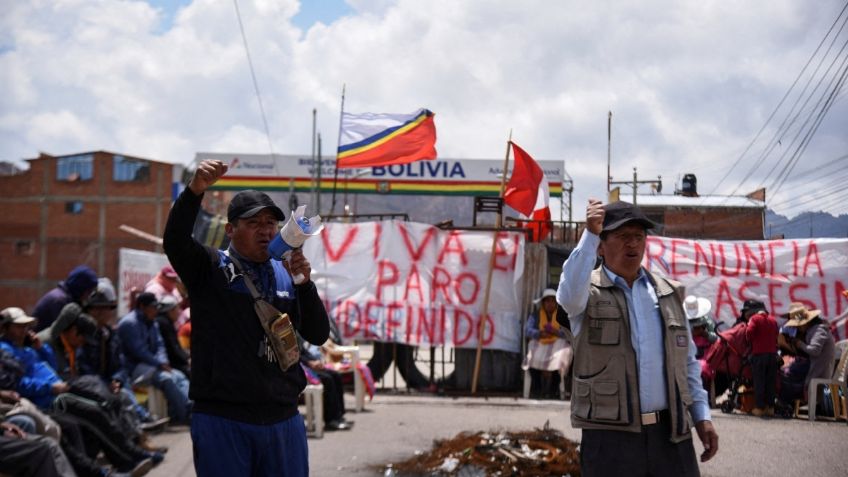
{"x": 376, "y": 139}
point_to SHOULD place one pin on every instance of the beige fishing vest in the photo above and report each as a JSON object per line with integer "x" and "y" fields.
{"x": 606, "y": 383}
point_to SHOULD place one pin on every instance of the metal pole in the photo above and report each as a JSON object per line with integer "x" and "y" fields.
{"x": 634, "y": 186}
{"x": 318, "y": 195}
{"x": 314, "y": 183}
{"x": 336, "y": 165}
{"x": 609, "y": 149}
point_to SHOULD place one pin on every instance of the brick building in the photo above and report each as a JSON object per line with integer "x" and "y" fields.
{"x": 66, "y": 211}
{"x": 707, "y": 217}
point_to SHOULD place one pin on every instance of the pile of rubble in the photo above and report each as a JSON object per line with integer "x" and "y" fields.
{"x": 542, "y": 452}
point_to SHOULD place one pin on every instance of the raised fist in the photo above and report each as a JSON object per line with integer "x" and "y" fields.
{"x": 208, "y": 172}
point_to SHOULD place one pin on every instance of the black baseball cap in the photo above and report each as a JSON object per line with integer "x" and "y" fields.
{"x": 620, "y": 213}
{"x": 248, "y": 203}
{"x": 752, "y": 305}
{"x": 146, "y": 299}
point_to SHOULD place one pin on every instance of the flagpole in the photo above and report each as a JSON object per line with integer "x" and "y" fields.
{"x": 481, "y": 327}
{"x": 336, "y": 175}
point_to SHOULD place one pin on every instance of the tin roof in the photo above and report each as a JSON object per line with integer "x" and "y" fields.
{"x": 703, "y": 201}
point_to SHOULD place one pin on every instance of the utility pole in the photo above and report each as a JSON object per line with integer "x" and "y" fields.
{"x": 609, "y": 149}
{"x": 635, "y": 183}
{"x": 314, "y": 182}
{"x": 567, "y": 186}
{"x": 318, "y": 190}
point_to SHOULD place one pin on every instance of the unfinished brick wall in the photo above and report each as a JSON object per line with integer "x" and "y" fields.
{"x": 42, "y": 239}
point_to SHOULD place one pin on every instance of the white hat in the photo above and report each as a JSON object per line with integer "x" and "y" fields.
{"x": 548, "y": 292}
{"x": 696, "y": 307}
{"x": 167, "y": 303}
{"x": 104, "y": 295}
{"x": 16, "y": 316}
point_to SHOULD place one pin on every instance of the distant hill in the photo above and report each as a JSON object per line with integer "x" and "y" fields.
{"x": 807, "y": 224}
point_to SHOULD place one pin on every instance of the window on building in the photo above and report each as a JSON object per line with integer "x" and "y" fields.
{"x": 73, "y": 207}
{"x": 24, "y": 247}
{"x": 75, "y": 168}
{"x": 130, "y": 170}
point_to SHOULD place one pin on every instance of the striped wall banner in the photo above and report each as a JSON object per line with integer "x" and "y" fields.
{"x": 372, "y": 186}
{"x": 452, "y": 177}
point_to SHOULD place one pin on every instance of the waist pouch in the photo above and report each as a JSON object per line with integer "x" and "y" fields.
{"x": 279, "y": 331}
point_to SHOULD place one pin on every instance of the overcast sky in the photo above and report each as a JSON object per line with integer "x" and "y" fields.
{"x": 690, "y": 84}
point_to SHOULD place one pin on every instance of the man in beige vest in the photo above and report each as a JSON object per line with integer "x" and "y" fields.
{"x": 637, "y": 386}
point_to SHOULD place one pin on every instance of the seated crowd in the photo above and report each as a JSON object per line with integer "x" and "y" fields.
{"x": 777, "y": 361}
{"x": 69, "y": 375}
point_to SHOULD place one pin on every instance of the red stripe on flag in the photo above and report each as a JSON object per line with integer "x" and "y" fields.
{"x": 417, "y": 144}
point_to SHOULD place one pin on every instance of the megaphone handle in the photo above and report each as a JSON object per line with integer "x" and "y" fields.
{"x": 299, "y": 278}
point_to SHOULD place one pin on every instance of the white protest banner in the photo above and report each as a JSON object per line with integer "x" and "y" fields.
{"x": 776, "y": 272}
{"x": 135, "y": 269}
{"x": 413, "y": 283}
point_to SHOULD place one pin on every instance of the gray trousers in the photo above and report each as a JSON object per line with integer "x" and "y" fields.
{"x": 36, "y": 456}
{"x": 647, "y": 453}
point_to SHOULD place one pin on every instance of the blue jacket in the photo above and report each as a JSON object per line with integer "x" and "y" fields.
{"x": 39, "y": 375}
{"x": 141, "y": 341}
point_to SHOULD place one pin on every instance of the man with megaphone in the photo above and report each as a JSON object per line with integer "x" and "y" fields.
{"x": 245, "y": 308}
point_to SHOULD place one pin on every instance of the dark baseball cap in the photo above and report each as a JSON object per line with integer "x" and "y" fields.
{"x": 620, "y": 213}
{"x": 753, "y": 305}
{"x": 248, "y": 203}
{"x": 146, "y": 299}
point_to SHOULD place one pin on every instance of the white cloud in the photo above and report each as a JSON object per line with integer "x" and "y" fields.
{"x": 689, "y": 83}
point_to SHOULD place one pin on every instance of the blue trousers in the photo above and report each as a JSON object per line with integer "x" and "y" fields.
{"x": 174, "y": 385}
{"x": 225, "y": 448}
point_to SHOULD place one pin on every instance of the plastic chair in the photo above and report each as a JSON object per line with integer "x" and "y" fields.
{"x": 153, "y": 397}
{"x": 838, "y": 380}
{"x": 358, "y": 384}
{"x": 313, "y": 396}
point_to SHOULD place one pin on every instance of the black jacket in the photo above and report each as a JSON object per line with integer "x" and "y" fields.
{"x": 177, "y": 357}
{"x": 230, "y": 375}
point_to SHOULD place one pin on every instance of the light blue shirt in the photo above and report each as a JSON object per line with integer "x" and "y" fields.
{"x": 646, "y": 327}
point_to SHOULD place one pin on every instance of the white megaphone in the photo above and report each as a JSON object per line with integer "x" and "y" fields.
{"x": 293, "y": 234}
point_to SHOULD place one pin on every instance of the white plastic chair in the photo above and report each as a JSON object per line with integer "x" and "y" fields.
{"x": 313, "y": 396}
{"x": 358, "y": 384}
{"x": 838, "y": 379}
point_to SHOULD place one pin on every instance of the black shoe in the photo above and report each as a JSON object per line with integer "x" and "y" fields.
{"x": 339, "y": 425}
{"x": 156, "y": 457}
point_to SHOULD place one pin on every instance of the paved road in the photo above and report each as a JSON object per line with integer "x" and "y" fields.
{"x": 393, "y": 427}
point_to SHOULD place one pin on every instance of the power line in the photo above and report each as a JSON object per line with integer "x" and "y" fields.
{"x": 792, "y": 116}
{"x": 787, "y": 169}
{"x": 822, "y": 168}
{"x": 779, "y": 105}
{"x": 823, "y": 192}
{"x": 255, "y": 84}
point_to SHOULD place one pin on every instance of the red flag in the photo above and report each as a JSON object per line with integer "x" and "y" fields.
{"x": 527, "y": 192}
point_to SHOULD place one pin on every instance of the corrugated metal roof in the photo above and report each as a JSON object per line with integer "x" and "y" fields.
{"x": 704, "y": 201}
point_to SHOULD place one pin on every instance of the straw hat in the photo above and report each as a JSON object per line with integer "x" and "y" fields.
{"x": 799, "y": 315}
{"x": 696, "y": 307}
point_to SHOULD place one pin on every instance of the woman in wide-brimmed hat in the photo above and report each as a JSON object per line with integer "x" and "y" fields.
{"x": 700, "y": 322}
{"x": 548, "y": 350}
{"x": 813, "y": 337}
